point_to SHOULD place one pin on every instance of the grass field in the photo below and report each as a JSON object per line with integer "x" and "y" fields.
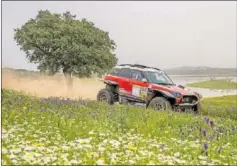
{"x": 224, "y": 106}
{"x": 214, "y": 84}
{"x": 63, "y": 131}
{"x": 225, "y": 101}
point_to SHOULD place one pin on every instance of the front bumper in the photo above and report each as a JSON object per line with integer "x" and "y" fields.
{"x": 183, "y": 107}
{"x": 187, "y": 104}
{"x": 187, "y": 101}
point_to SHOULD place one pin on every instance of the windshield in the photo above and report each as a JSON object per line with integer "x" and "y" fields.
{"x": 159, "y": 77}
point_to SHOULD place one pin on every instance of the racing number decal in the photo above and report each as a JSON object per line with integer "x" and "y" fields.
{"x": 139, "y": 91}
{"x": 135, "y": 90}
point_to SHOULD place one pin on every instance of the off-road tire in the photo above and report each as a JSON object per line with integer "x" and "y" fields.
{"x": 107, "y": 95}
{"x": 197, "y": 108}
{"x": 159, "y": 103}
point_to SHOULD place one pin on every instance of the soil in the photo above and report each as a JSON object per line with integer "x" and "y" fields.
{"x": 47, "y": 86}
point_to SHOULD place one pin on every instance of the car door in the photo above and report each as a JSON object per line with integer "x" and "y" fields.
{"x": 139, "y": 87}
{"x": 125, "y": 88}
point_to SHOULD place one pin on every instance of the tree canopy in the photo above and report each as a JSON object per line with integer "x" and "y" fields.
{"x": 61, "y": 42}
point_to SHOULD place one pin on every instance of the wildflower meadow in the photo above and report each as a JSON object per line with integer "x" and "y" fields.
{"x": 68, "y": 132}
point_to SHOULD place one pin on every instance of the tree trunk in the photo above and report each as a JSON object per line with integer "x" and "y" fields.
{"x": 69, "y": 81}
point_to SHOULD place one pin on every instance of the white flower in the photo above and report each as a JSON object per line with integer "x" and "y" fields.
{"x": 12, "y": 156}
{"x": 177, "y": 154}
{"x": 75, "y": 161}
{"x": 160, "y": 156}
{"x": 203, "y": 162}
{"x": 42, "y": 139}
{"x": 151, "y": 163}
{"x": 5, "y": 151}
{"x": 150, "y": 153}
{"x": 48, "y": 142}
{"x": 131, "y": 162}
{"x": 65, "y": 147}
{"x": 47, "y": 159}
{"x": 170, "y": 163}
{"x": 5, "y": 136}
{"x": 180, "y": 142}
{"x": 14, "y": 161}
{"x": 101, "y": 149}
{"x": 216, "y": 161}
{"x": 28, "y": 157}
{"x": 105, "y": 141}
{"x": 143, "y": 152}
{"x": 210, "y": 164}
{"x": 53, "y": 158}
{"x": 88, "y": 146}
{"x": 100, "y": 162}
{"x": 101, "y": 134}
{"x": 194, "y": 144}
{"x": 37, "y": 154}
{"x": 78, "y": 146}
{"x": 95, "y": 155}
{"x": 112, "y": 156}
{"x": 82, "y": 141}
{"x": 91, "y": 133}
{"x": 4, "y": 131}
{"x": 29, "y": 148}
{"x": 15, "y": 150}
{"x": 202, "y": 157}
{"x": 114, "y": 143}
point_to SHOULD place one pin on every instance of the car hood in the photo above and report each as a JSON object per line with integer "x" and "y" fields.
{"x": 172, "y": 88}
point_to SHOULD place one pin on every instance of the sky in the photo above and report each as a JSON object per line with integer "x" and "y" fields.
{"x": 156, "y": 33}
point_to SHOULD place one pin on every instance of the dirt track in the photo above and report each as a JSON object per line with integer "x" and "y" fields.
{"x": 46, "y": 86}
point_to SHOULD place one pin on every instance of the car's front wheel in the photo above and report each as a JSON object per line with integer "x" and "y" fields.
{"x": 160, "y": 103}
{"x": 197, "y": 108}
{"x": 105, "y": 95}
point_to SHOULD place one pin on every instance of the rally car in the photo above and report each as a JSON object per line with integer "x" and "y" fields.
{"x": 135, "y": 83}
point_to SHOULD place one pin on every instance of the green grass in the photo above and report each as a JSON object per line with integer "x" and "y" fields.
{"x": 230, "y": 100}
{"x": 224, "y": 106}
{"x": 56, "y": 131}
{"x": 214, "y": 84}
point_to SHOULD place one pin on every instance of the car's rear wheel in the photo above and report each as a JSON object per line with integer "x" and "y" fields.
{"x": 160, "y": 103}
{"x": 105, "y": 95}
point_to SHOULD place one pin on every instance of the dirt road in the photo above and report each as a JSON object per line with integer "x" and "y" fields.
{"x": 46, "y": 86}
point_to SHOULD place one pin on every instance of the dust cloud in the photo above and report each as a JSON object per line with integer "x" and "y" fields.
{"x": 52, "y": 86}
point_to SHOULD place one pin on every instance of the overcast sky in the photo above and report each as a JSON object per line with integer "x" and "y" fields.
{"x": 161, "y": 34}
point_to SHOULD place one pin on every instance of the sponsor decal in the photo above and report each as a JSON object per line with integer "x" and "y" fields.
{"x": 139, "y": 91}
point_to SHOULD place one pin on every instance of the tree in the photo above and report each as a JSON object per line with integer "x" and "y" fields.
{"x": 60, "y": 42}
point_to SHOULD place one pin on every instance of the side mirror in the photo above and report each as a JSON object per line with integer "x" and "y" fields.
{"x": 144, "y": 80}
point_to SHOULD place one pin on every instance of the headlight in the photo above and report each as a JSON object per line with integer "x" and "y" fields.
{"x": 176, "y": 94}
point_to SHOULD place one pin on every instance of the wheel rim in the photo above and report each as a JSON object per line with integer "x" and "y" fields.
{"x": 103, "y": 98}
{"x": 157, "y": 106}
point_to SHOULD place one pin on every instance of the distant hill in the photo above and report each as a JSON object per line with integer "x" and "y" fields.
{"x": 184, "y": 70}
{"x": 7, "y": 69}
{"x": 202, "y": 70}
